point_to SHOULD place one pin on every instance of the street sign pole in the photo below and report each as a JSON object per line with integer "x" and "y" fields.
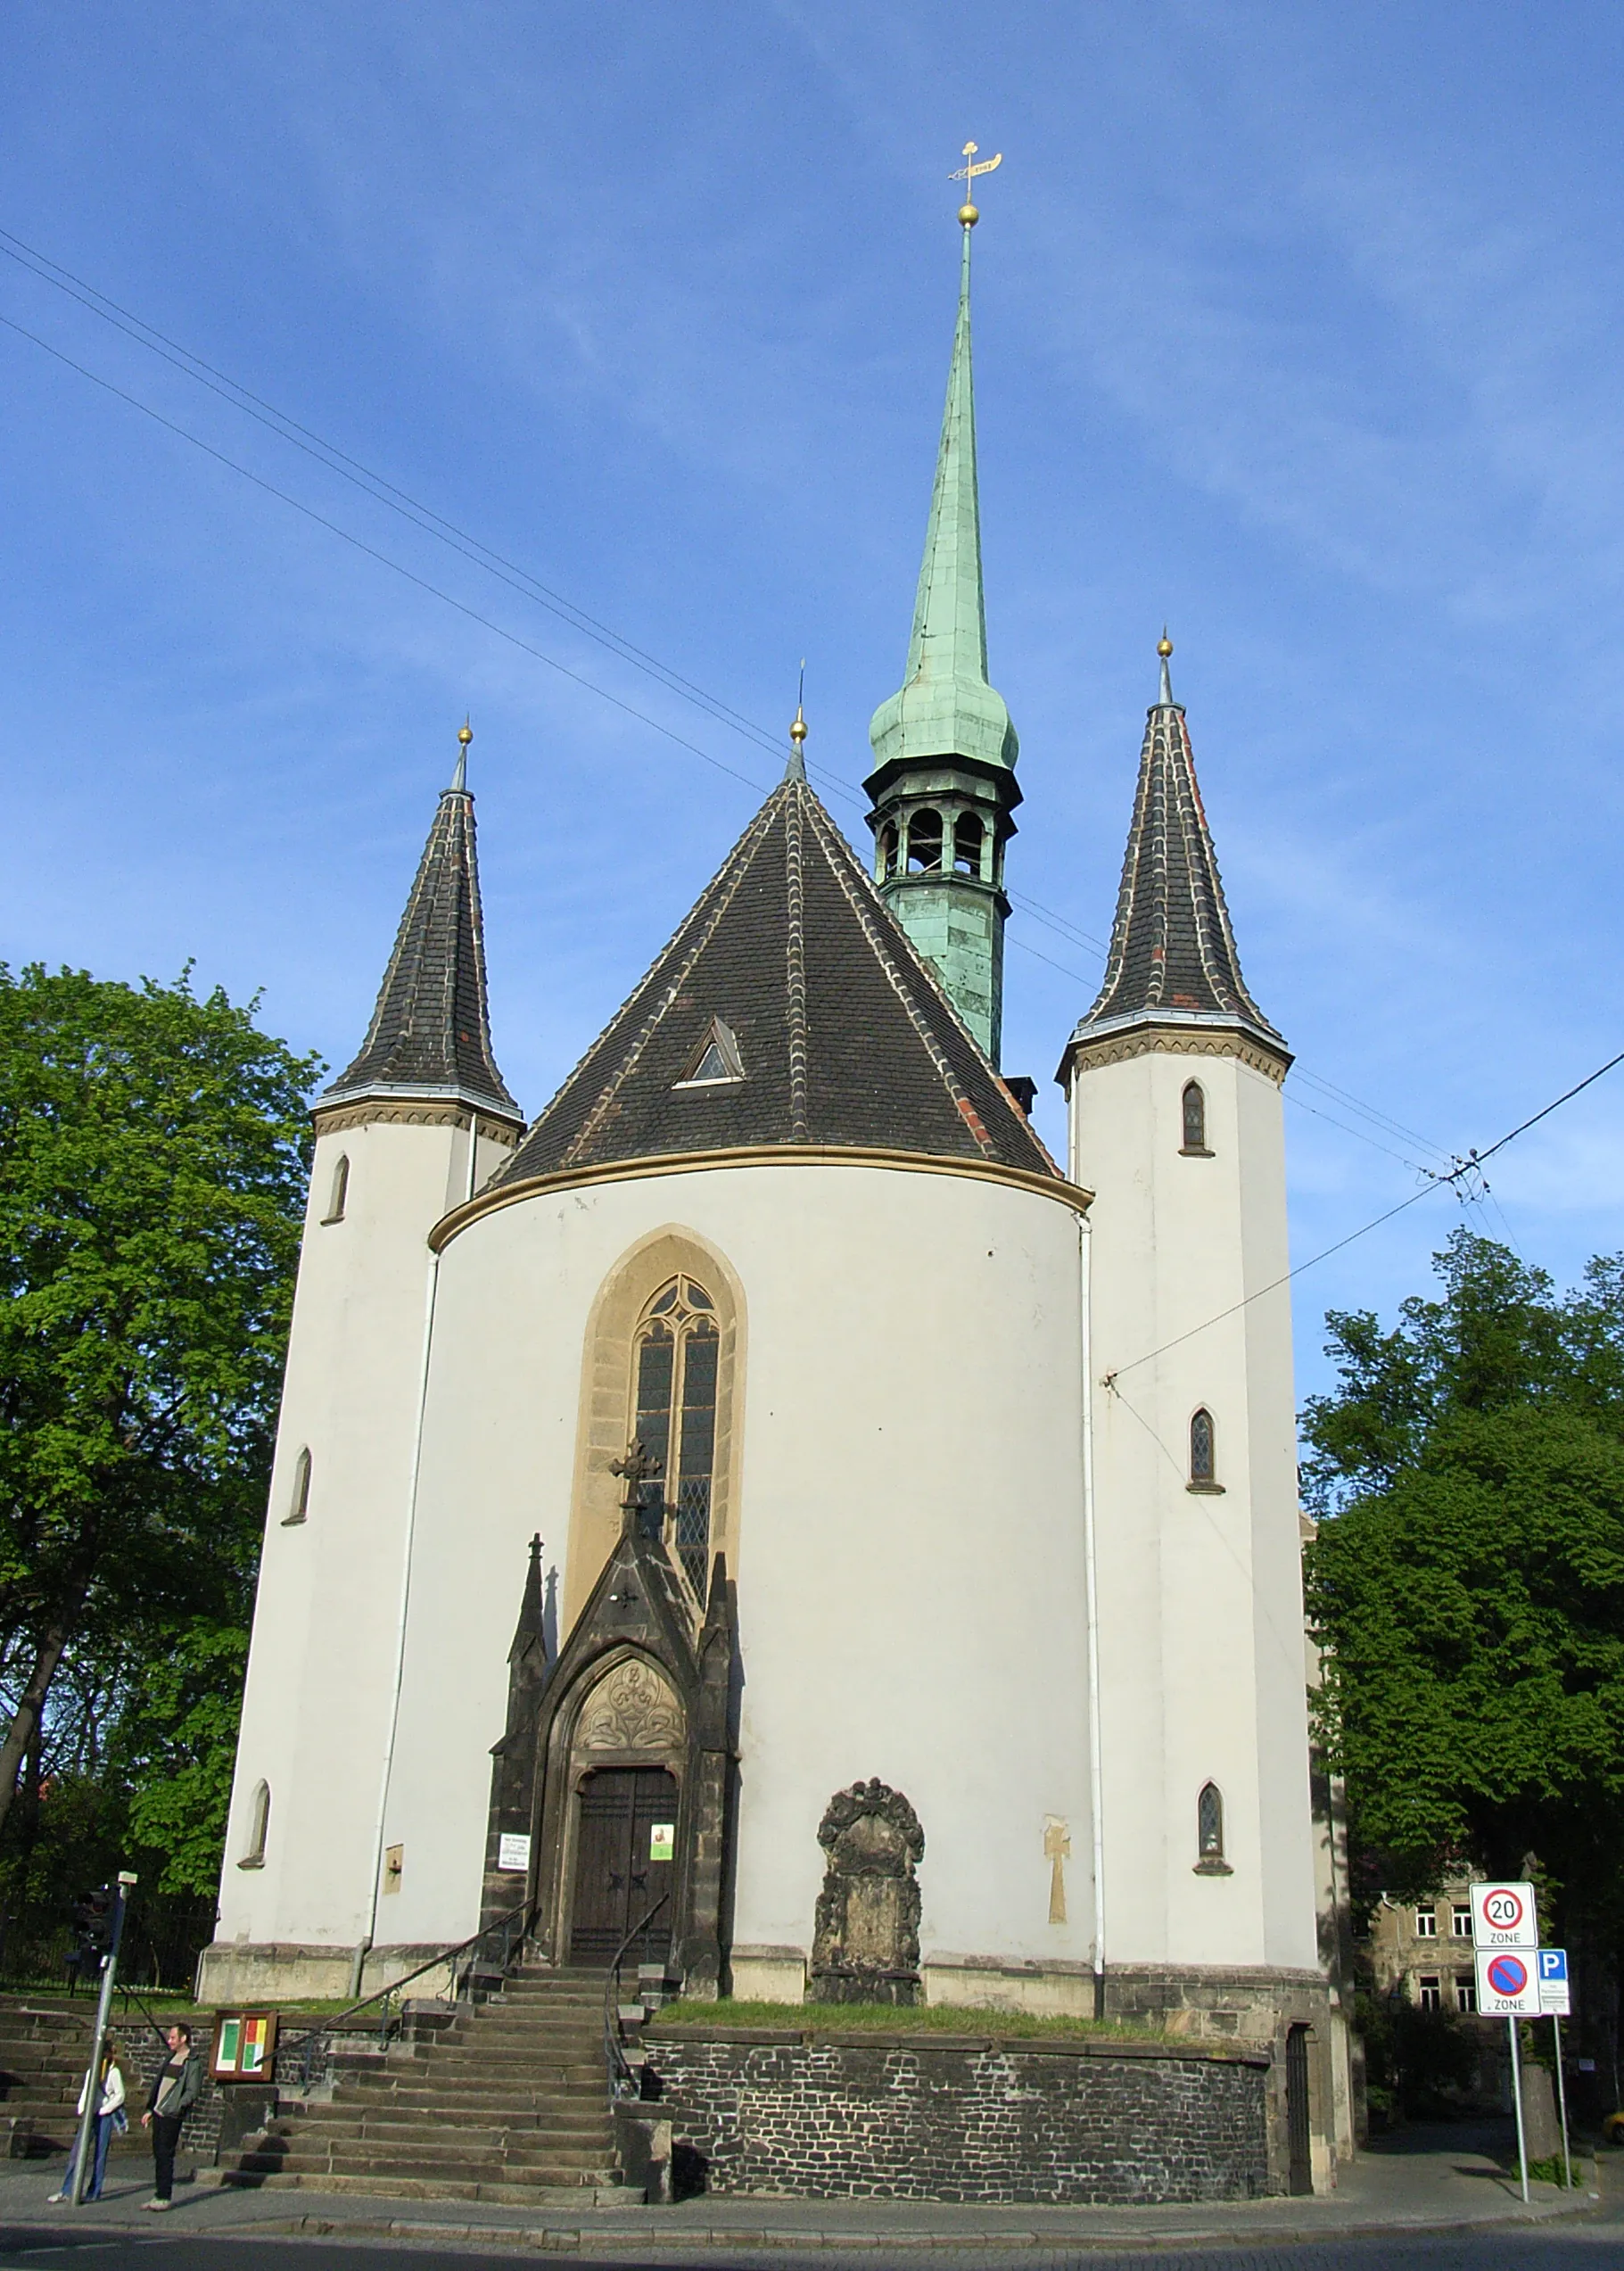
{"x": 1522, "y": 2149}
{"x": 1562, "y": 2099}
{"x": 93, "y": 2079}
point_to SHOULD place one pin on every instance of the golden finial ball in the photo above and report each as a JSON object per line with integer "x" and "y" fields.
{"x": 1164, "y": 646}
{"x": 797, "y": 731}
{"x": 969, "y": 215}
{"x": 464, "y": 734}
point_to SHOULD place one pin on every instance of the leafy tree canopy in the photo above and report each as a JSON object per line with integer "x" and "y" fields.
{"x": 152, "y": 1149}
{"x": 1469, "y": 1581}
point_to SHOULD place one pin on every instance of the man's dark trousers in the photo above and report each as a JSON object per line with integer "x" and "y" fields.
{"x": 166, "y": 2136}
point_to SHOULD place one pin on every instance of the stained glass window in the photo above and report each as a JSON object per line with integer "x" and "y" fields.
{"x": 675, "y": 1418}
{"x": 1202, "y": 1460}
{"x": 1195, "y": 1117}
{"x": 1209, "y": 1823}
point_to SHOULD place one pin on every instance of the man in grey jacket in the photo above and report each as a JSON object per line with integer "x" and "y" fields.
{"x": 175, "y": 2090}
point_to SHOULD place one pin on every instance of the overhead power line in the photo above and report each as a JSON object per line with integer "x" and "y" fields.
{"x": 1467, "y": 1165}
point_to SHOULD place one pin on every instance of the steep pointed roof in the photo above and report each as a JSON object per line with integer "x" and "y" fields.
{"x": 947, "y": 707}
{"x": 430, "y": 1034}
{"x": 791, "y": 970}
{"x": 1173, "y": 958}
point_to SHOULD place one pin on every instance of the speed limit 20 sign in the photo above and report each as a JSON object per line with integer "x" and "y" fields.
{"x": 1503, "y": 1916}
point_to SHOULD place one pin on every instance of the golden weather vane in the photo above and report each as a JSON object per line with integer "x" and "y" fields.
{"x": 968, "y": 212}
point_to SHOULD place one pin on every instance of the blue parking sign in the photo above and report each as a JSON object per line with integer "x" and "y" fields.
{"x": 1552, "y": 1973}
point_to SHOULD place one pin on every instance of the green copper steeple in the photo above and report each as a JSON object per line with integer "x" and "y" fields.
{"x": 944, "y": 784}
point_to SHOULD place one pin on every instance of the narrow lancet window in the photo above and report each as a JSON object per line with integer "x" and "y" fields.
{"x": 1203, "y": 1451}
{"x": 259, "y": 1826}
{"x": 967, "y": 837}
{"x": 675, "y": 1417}
{"x": 1210, "y": 1826}
{"x": 339, "y": 1191}
{"x": 925, "y": 842}
{"x": 299, "y": 1498}
{"x": 888, "y": 850}
{"x": 1195, "y": 1117}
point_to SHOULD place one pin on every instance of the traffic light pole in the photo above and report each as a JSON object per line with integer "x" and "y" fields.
{"x": 82, "y": 2155}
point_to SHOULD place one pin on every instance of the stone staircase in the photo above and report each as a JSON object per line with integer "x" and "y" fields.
{"x": 507, "y": 2102}
{"x": 43, "y": 2052}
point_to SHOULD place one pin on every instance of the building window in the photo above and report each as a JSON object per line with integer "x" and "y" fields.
{"x": 716, "y": 1059}
{"x": 299, "y": 1498}
{"x": 1203, "y": 1452}
{"x": 258, "y": 1826}
{"x": 1429, "y": 1991}
{"x": 675, "y": 1416}
{"x": 969, "y": 836}
{"x": 888, "y": 850}
{"x": 339, "y": 1191}
{"x": 1209, "y": 1828}
{"x": 1460, "y": 1921}
{"x": 1195, "y": 1120}
{"x": 925, "y": 842}
{"x": 1465, "y": 1991}
{"x": 1426, "y": 1924}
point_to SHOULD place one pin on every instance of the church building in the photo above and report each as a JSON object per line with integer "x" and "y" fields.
{"x": 766, "y": 1509}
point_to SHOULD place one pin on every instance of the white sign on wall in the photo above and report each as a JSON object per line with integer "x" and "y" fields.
{"x": 513, "y": 1850}
{"x": 1502, "y": 1915}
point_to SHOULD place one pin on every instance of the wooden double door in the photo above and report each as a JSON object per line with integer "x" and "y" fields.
{"x": 625, "y": 1861}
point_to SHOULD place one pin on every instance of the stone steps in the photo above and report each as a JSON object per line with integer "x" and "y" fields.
{"x": 609, "y": 2192}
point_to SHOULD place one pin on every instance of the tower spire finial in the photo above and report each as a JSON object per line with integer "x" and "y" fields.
{"x": 968, "y": 213}
{"x": 464, "y": 734}
{"x": 796, "y": 770}
{"x": 1164, "y": 647}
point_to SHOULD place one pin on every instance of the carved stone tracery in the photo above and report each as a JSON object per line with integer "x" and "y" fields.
{"x": 633, "y": 1709}
{"x": 866, "y": 1932}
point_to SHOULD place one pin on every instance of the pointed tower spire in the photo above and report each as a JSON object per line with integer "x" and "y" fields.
{"x": 1173, "y": 959}
{"x": 796, "y": 768}
{"x": 944, "y": 782}
{"x": 429, "y": 1035}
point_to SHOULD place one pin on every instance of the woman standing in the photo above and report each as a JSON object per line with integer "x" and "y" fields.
{"x": 108, "y": 2116}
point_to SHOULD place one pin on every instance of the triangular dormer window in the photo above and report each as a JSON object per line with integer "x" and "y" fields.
{"x": 717, "y": 1060}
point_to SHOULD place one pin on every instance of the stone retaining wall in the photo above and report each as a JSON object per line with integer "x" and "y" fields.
{"x": 949, "y": 2118}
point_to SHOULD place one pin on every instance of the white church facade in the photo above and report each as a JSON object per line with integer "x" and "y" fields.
{"x": 769, "y": 1461}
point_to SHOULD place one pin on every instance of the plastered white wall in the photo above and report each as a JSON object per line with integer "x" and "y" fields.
{"x": 1199, "y": 1594}
{"x": 326, "y": 1616}
{"x": 910, "y": 1584}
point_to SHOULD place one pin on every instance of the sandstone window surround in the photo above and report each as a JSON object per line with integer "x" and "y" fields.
{"x": 259, "y": 1826}
{"x": 339, "y": 1191}
{"x": 299, "y": 1497}
{"x": 1192, "y": 1112}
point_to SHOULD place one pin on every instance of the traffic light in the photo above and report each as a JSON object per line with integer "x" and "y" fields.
{"x": 93, "y": 1917}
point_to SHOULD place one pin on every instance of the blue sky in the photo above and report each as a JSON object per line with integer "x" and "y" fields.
{"x": 1296, "y": 326}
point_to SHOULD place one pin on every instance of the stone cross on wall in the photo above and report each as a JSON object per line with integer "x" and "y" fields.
{"x": 1057, "y": 1848}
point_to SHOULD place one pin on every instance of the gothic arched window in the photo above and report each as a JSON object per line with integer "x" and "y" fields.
{"x": 967, "y": 837}
{"x": 925, "y": 841}
{"x": 1209, "y": 1824}
{"x": 259, "y": 1826}
{"x": 340, "y": 1192}
{"x": 299, "y": 1498}
{"x": 674, "y": 1414}
{"x": 1203, "y": 1448}
{"x": 888, "y": 850}
{"x": 1195, "y": 1116}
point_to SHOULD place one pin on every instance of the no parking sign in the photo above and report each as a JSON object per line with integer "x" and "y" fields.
{"x": 1508, "y": 1984}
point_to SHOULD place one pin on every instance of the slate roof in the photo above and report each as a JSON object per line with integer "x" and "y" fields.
{"x": 430, "y": 1031}
{"x": 1172, "y": 957}
{"x": 844, "y": 1036}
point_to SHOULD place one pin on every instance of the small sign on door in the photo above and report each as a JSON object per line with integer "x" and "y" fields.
{"x": 662, "y": 1841}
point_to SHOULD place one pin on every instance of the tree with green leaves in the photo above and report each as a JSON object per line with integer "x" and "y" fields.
{"x": 1467, "y": 1579}
{"x": 153, "y": 1161}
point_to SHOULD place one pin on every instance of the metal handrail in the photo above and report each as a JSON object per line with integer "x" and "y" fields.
{"x": 614, "y": 2058}
{"x": 384, "y": 1997}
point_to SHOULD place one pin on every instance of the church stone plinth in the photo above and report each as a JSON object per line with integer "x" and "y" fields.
{"x": 866, "y": 1935}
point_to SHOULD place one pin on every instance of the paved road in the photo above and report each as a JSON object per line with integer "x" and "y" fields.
{"x": 1589, "y": 2246}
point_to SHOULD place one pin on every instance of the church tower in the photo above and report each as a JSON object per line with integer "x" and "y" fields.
{"x": 943, "y": 788}
{"x": 413, "y": 1126}
{"x": 1173, "y": 1081}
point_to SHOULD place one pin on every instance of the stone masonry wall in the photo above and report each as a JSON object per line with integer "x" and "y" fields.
{"x": 956, "y": 2120}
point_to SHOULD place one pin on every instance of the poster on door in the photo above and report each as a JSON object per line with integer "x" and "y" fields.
{"x": 662, "y": 1841}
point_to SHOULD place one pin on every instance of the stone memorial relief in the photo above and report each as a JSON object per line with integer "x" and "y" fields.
{"x": 632, "y": 1710}
{"x": 866, "y": 1933}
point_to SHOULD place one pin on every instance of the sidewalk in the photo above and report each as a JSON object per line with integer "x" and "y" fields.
{"x": 1430, "y": 2179}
